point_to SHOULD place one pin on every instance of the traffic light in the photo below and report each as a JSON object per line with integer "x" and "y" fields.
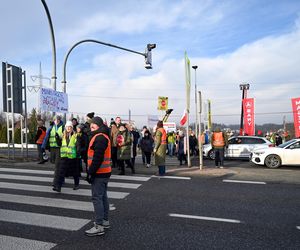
{"x": 148, "y": 55}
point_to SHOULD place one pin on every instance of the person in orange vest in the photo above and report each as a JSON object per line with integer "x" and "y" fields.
{"x": 39, "y": 138}
{"x": 99, "y": 172}
{"x": 219, "y": 142}
{"x": 160, "y": 148}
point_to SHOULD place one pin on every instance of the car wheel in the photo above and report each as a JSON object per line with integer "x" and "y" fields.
{"x": 273, "y": 161}
{"x": 211, "y": 154}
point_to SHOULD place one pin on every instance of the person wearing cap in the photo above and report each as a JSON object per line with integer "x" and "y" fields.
{"x": 75, "y": 123}
{"x": 68, "y": 155}
{"x": 39, "y": 138}
{"x": 160, "y": 148}
{"x": 99, "y": 172}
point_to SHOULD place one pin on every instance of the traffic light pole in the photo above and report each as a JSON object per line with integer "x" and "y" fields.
{"x": 147, "y": 56}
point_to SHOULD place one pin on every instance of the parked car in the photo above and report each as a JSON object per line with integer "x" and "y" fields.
{"x": 239, "y": 147}
{"x": 287, "y": 153}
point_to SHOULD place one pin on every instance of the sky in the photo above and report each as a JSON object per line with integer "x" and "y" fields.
{"x": 232, "y": 42}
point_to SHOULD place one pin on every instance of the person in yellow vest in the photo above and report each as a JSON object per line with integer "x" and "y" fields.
{"x": 219, "y": 142}
{"x": 160, "y": 148}
{"x": 55, "y": 135}
{"x": 99, "y": 172}
{"x": 68, "y": 158}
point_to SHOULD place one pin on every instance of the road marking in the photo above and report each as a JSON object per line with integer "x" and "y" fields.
{"x": 246, "y": 182}
{"x": 130, "y": 178}
{"x": 47, "y": 202}
{"x": 42, "y": 220}
{"x": 47, "y": 189}
{"x": 45, "y": 172}
{"x": 204, "y": 218}
{"x": 71, "y": 181}
{"x": 26, "y": 171}
{"x": 9, "y": 242}
{"x": 171, "y": 177}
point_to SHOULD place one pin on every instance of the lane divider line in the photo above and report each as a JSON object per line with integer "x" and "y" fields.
{"x": 186, "y": 216}
{"x": 246, "y": 182}
{"x": 171, "y": 177}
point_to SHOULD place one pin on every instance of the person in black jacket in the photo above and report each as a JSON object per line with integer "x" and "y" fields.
{"x": 99, "y": 172}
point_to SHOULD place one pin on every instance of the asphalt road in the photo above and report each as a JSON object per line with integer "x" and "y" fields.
{"x": 240, "y": 207}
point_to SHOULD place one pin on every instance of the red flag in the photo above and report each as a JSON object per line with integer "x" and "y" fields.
{"x": 296, "y": 112}
{"x": 248, "y": 107}
{"x": 183, "y": 119}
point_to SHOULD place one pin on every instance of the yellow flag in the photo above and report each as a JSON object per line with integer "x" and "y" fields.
{"x": 162, "y": 103}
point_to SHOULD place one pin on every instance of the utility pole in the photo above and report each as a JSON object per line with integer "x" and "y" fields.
{"x": 196, "y": 121}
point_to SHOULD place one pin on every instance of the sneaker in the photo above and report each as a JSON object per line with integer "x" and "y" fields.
{"x": 148, "y": 166}
{"x": 76, "y": 187}
{"x": 105, "y": 224}
{"x": 95, "y": 230}
{"x": 221, "y": 167}
{"x": 57, "y": 189}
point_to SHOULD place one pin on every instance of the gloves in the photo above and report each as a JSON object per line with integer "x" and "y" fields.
{"x": 90, "y": 178}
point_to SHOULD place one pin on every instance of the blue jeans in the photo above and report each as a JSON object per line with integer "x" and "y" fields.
{"x": 170, "y": 149}
{"x": 100, "y": 200}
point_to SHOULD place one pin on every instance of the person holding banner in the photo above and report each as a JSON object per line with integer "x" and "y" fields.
{"x": 55, "y": 137}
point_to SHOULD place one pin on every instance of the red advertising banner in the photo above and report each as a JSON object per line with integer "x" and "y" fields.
{"x": 249, "y": 123}
{"x": 296, "y": 112}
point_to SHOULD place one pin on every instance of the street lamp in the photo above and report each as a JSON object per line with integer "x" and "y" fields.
{"x": 244, "y": 87}
{"x": 196, "y": 121}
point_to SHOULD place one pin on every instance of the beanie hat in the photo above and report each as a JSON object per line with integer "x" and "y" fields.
{"x": 97, "y": 120}
{"x": 57, "y": 117}
{"x": 69, "y": 124}
{"x": 90, "y": 115}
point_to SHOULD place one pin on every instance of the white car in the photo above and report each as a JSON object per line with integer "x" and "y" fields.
{"x": 287, "y": 153}
{"x": 239, "y": 147}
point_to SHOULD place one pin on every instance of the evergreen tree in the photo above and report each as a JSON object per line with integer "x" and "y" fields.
{"x": 32, "y": 126}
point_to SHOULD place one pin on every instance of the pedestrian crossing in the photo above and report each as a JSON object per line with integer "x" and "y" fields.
{"x": 28, "y": 203}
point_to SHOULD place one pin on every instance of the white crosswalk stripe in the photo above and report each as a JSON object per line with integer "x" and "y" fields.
{"x": 23, "y": 192}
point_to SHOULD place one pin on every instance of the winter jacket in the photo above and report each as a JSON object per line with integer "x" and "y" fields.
{"x": 99, "y": 146}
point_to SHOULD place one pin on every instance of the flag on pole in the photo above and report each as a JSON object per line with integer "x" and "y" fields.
{"x": 183, "y": 119}
{"x": 249, "y": 123}
{"x": 296, "y": 112}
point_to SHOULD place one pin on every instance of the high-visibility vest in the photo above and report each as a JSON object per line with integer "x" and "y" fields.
{"x": 164, "y": 136}
{"x": 106, "y": 164}
{"x": 52, "y": 140}
{"x": 218, "y": 139}
{"x": 68, "y": 151}
{"x": 42, "y": 136}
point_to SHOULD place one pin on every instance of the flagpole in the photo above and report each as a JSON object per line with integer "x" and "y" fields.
{"x": 187, "y": 138}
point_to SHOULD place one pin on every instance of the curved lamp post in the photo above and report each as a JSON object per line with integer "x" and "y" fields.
{"x": 53, "y": 45}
